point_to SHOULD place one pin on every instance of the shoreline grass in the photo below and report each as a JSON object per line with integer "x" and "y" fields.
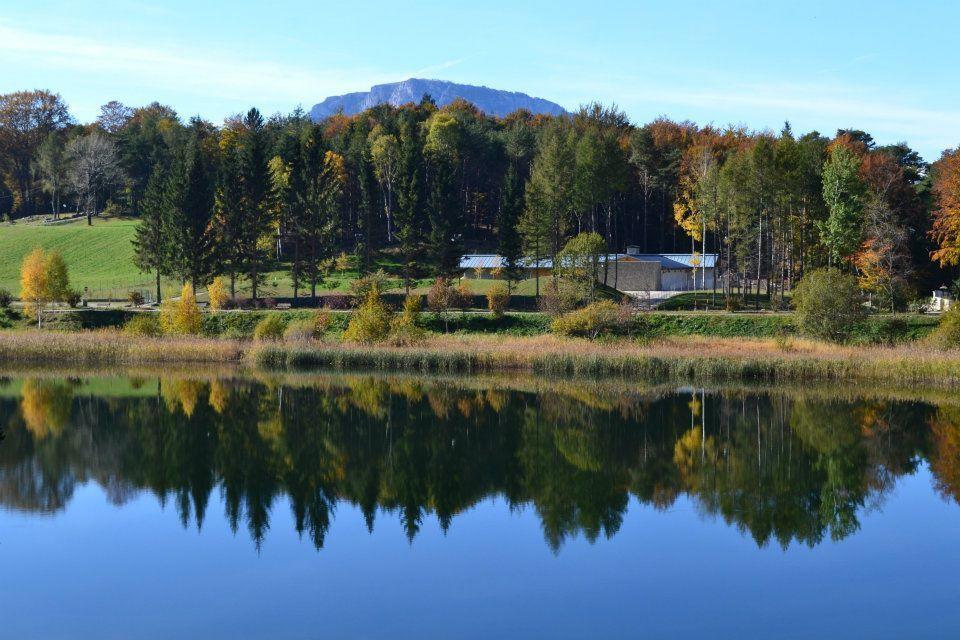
{"x": 109, "y": 346}
{"x": 685, "y": 358}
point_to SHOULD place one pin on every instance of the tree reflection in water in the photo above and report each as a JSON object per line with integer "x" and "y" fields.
{"x": 790, "y": 467}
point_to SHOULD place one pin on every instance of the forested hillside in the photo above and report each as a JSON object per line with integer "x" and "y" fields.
{"x": 423, "y": 185}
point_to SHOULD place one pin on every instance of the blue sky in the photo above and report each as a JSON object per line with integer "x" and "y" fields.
{"x": 884, "y": 66}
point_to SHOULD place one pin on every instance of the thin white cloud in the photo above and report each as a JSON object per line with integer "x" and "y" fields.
{"x": 434, "y": 68}
{"x": 223, "y": 75}
{"x": 825, "y": 105}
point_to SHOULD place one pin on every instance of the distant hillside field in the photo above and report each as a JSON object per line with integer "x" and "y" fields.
{"x": 99, "y": 257}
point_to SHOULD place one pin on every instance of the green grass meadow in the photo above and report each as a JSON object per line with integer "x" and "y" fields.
{"x": 99, "y": 257}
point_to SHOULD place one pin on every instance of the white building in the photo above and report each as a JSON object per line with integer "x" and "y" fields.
{"x": 941, "y": 300}
{"x": 630, "y": 272}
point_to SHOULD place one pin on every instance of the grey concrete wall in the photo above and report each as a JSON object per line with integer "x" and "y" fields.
{"x": 682, "y": 279}
{"x": 635, "y": 276}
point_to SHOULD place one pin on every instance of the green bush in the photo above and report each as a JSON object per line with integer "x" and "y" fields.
{"x": 405, "y": 329}
{"x": 312, "y": 327}
{"x": 828, "y": 305}
{"x": 593, "y": 320}
{"x": 8, "y": 318}
{"x": 947, "y": 333}
{"x": 322, "y": 321}
{"x": 498, "y": 297}
{"x": 441, "y": 298}
{"x": 578, "y": 266}
{"x": 379, "y": 280}
{"x": 558, "y": 297}
{"x": 299, "y": 331}
{"x": 370, "y": 323}
{"x": 887, "y": 330}
{"x": 234, "y": 332}
{"x": 270, "y": 328}
{"x": 5, "y": 298}
{"x": 143, "y": 324}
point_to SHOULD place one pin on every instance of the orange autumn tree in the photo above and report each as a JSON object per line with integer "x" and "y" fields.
{"x": 945, "y": 457}
{"x": 883, "y": 263}
{"x": 946, "y": 211}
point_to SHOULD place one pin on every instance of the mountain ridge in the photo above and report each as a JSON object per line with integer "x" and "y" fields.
{"x": 494, "y": 102}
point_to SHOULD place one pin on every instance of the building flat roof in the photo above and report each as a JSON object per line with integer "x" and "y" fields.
{"x": 666, "y": 260}
{"x": 679, "y": 260}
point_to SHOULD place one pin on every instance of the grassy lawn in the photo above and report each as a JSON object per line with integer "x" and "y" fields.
{"x": 99, "y": 257}
{"x": 701, "y": 300}
{"x": 277, "y": 285}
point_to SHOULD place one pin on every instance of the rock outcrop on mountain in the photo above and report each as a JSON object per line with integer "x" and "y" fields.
{"x": 491, "y": 101}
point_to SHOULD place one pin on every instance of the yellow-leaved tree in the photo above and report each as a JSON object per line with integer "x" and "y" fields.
{"x": 181, "y": 315}
{"x": 33, "y": 283}
{"x": 217, "y": 292}
{"x": 370, "y": 323}
{"x": 43, "y": 279}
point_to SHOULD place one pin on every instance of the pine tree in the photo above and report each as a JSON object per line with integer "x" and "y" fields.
{"x": 230, "y": 218}
{"x": 297, "y": 221}
{"x": 409, "y": 223}
{"x": 318, "y": 202}
{"x": 257, "y": 197}
{"x": 843, "y": 191}
{"x": 548, "y": 196}
{"x": 367, "y": 205}
{"x": 445, "y": 240}
{"x": 192, "y": 196}
{"x": 509, "y": 244}
{"x": 151, "y": 242}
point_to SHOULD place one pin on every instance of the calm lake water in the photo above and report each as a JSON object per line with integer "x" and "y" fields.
{"x": 357, "y": 506}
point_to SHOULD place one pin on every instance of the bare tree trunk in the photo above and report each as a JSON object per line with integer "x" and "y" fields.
{"x": 253, "y": 284}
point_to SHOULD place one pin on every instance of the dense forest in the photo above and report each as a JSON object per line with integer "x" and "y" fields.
{"x": 423, "y": 185}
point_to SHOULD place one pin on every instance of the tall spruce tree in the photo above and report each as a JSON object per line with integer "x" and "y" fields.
{"x": 318, "y": 202}
{"x": 367, "y": 206}
{"x": 409, "y": 214}
{"x": 843, "y": 191}
{"x": 257, "y": 195}
{"x": 509, "y": 244}
{"x": 549, "y": 196}
{"x": 151, "y": 242}
{"x": 445, "y": 240}
{"x": 297, "y": 221}
{"x": 230, "y": 214}
{"x": 191, "y": 193}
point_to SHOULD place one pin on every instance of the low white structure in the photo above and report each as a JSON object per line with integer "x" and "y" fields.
{"x": 631, "y": 272}
{"x": 679, "y": 271}
{"x": 941, "y": 300}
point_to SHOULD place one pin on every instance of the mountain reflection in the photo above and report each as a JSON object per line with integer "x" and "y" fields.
{"x": 778, "y": 465}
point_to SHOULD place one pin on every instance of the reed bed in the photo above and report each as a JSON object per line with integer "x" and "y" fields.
{"x": 112, "y": 347}
{"x": 676, "y": 359}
